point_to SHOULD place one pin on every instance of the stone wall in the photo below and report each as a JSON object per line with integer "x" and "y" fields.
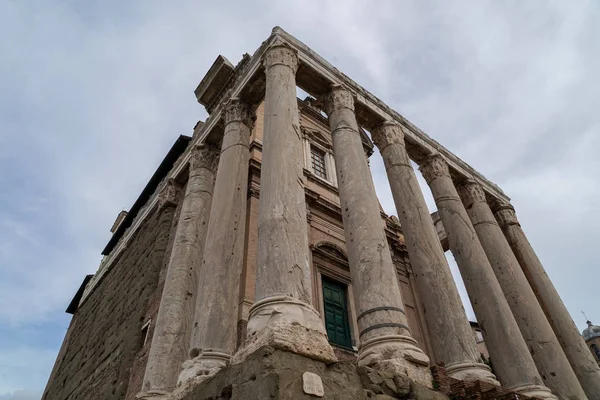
{"x": 105, "y": 335}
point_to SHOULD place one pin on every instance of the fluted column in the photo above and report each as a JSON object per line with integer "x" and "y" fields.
{"x": 569, "y": 337}
{"x": 282, "y": 315}
{"x": 513, "y": 364}
{"x": 169, "y": 347}
{"x": 439, "y": 296}
{"x": 214, "y": 332}
{"x": 385, "y": 340}
{"x": 551, "y": 362}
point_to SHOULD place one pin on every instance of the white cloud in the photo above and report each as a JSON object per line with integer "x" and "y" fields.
{"x": 95, "y": 94}
{"x": 22, "y": 395}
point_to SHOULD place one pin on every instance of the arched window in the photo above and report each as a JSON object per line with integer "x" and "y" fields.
{"x": 596, "y": 351}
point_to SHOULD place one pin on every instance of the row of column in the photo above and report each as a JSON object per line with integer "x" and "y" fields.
{"x": 514, "y": 324}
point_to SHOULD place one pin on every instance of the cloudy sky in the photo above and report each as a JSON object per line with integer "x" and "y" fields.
{"x": 93, "y": 94}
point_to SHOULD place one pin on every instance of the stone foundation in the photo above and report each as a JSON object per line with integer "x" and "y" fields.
{"x": 274, "y": 374}
{"x": 463, "y": 390}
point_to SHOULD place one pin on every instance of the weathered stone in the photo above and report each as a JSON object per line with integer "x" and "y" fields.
{"x": 215, "y": 318}
{"x": 445, "y": 314}
{"x": 513, "y": 364}
{"x": 170, "y": 341}
{"x": 551, "y": 362}
{"x": 418, "y": 392}
{"x": 385, "y": 339}
{"x": 312, "y": 384}
{"x": 283, "y": 266}
{"x": 583, "y": 364}
{"x": 269, "y": 373}
{"x": 93, "y": 344}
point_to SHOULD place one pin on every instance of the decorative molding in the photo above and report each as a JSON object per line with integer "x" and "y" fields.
{"x": 434, "y": 167}
{"x": 389, "y": 132}
{"x": 280, "y": 53}
{"x": 331, "y": 251}
{"x": 339, "y": 97}
{"x": 204, "y": 156}
{"x": 505, "y": 215}
{"x": 238, "y": 111}
{"x": 471, "y": 192}
{"x": 254, "y": 190}
{"x": 317, "y": 137}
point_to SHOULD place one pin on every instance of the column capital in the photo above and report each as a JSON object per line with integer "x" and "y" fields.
{"x": 505, "y": 215}
{"x": 168, "y": 195}
{"x": 471, "y": 192}
{"x": 388, "y": 132}
{"x": 339, "y": 97}
{"x": 280, "y": 53}
{"x": 204, "y": 156}
{"x": 237, "y": 110}
{"x": 434, "y": 167}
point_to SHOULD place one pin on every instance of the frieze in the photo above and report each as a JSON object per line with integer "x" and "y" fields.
{"x": 434, "y": 167}
{"x": 280, "y": 53}
{"x": 387, "y": 133}
{"x": 204, "y": 156}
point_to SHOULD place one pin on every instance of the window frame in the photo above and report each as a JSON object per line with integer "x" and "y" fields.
{"x": 317, "y": 154}
{"x": 337, "y": 270}
{"x": 325, "y": 280}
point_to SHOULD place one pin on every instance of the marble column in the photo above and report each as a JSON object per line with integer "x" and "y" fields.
{"x": 569, "y": 337}
{"x": 444, "y": 311}
{"x": 551, "y": 362}
{"x": 513, "y": 364}
{"x": 169, "y": 347}
{"x": 282, "y": 315}
{"x": 214, "y": 332}
{"x": 385, "y": 339}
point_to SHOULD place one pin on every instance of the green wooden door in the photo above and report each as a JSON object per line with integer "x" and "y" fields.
{"x": 336, "y": 313}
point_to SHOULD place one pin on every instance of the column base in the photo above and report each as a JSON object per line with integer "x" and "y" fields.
{"x": 540, "y": 392}
{"x": 471, "y": 371}
{"x": 397, "y": 354}
{"x": 202, "y": 367}
{"x": 154, "y": 394}
{"x": 286, "y": 323}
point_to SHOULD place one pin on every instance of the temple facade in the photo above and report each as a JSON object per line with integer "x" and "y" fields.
{"x": 258, "y": 263}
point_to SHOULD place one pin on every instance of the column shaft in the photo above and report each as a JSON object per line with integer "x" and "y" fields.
{"x": 385, "y": 340}
{"x": 439, "y": 296}
{"x": 512, "y": 362}
{"x": 282, "y": 315}
{"x": 551, "y": 362}
{"x": 169, "y": 347}
{"x": 582, "y": 362}
{"x": 214, "y": 334}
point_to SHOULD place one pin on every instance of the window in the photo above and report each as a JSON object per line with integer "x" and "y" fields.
{"x": 336, "y": 313}
{"x": 318, "y": 162}
{"x": 596, "y": 351}
{"x": 479, "y": 336}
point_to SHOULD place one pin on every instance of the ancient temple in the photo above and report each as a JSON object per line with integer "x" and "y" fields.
{"x": 257, "y": 262}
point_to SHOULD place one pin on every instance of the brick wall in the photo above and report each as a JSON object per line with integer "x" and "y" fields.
{"x": 105, "y": 335}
